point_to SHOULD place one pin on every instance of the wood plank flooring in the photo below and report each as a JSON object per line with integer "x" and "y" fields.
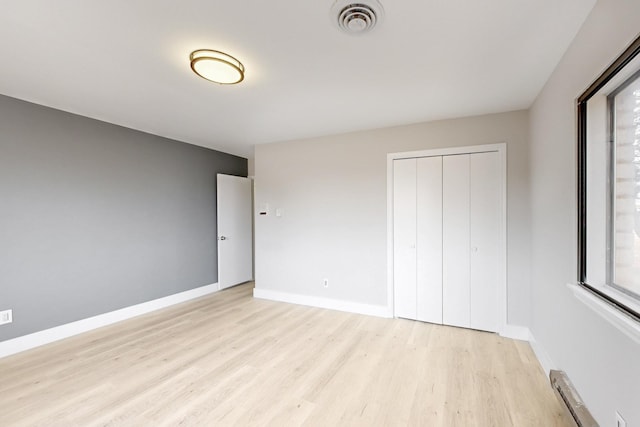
{"x": 229, "y": 359}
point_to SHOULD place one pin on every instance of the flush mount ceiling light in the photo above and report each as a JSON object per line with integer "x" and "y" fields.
{"x": 216, "y": 66}
{"x": 356, "y": 17}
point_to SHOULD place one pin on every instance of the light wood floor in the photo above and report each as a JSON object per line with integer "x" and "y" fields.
{"x": 229, "y": 359}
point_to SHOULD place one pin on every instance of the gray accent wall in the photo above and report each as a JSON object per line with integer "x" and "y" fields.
{"x": 96, "y": 217}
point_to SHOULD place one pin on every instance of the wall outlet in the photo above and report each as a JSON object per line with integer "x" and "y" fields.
{"x": 6, "y": 317}
{"x": 620, "y": 422}
{"x": 325, "y": 283}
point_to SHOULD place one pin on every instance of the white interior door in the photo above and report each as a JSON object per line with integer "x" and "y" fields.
{"x": 235, "y": 230}
{"x": 456, "y": 296}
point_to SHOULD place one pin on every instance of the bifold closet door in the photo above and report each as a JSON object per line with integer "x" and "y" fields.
{"x": 470, "y": 251}
{"x": 429, "y": 239}
{"x": 404, "y": 237}
{"x": 456, "y": 295}
{"x": 417, "y": 239}
{"x": 447, "y": 219}
{"x": 485, "y": 206}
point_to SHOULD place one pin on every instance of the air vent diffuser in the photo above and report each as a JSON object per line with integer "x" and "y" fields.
{"x": 356, "y": 17}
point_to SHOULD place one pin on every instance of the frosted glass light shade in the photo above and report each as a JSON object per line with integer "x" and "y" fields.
{"x": 216, "y": 66}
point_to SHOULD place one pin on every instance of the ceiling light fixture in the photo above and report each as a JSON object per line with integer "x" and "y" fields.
{"x": 216, "y": 66}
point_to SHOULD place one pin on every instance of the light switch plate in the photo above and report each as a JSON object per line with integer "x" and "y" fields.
{"x": 6, "y": 316}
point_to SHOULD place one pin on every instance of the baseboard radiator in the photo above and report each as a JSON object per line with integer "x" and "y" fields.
{"x": 571, "y": 399}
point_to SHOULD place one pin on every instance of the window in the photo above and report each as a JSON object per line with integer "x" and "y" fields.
{"x": 624, "y": 187}
{"x": 609, "y": 184}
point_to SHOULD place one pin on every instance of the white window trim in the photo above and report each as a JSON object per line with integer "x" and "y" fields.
{"x": 621, "y": 321}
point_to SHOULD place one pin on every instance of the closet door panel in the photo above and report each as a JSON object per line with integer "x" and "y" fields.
{"x": 455, "y": 242}
{"x": 404, "y": 237}
{"x": 485, "y": 222}
{"x": 429, "y": 239}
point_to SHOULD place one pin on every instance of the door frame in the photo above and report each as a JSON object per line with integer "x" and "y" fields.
{"x": 501, "y": 149}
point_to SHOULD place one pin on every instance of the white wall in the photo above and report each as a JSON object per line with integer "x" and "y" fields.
{"x": 332, "y": 191}
{"x": 602, "y": 363}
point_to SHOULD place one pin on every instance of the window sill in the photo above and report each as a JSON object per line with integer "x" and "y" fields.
{"x": 621, "y": 321}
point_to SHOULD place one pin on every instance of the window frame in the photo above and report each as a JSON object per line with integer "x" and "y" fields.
{"x": 582, "y": 136}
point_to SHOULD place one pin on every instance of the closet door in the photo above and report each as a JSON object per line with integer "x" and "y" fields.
{"x": 404, "y": 237}
{"x": 447, "y": 219}
{"x": 456, "y": 295}
{"x": 429, "y": 239}
{"x": 485, "y": 223}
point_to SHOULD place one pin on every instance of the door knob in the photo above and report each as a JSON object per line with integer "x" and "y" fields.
{"x": 223, "y": 238}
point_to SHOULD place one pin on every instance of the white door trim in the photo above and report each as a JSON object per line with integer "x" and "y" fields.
{"x": 501, "y": 148}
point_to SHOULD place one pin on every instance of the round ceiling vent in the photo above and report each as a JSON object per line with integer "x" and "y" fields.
{"x": 357, "y": 17}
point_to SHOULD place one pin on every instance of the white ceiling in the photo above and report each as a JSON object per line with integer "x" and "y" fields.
{"x": 127, "y": 62}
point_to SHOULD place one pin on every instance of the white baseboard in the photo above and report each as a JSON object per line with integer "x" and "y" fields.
{"x": 331, "y": 304}
{"x": 541, "y": 354}
{"x": 516, "y": 332}
{"x": 523, "y": 333}
{"x": 509, "y": 331}
{"x": 36, "y": 339}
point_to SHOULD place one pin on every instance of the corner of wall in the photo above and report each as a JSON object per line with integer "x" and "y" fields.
{"x": 541, "y": 353}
